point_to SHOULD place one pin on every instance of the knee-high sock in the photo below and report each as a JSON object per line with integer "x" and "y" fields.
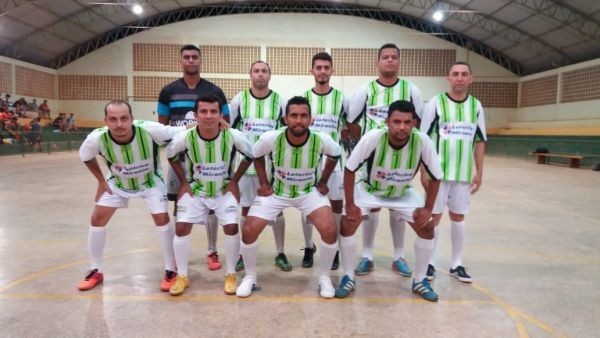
{"x": 279, "y": 233}
{"x": 398, "y": 226}
{"x": 232, "y": 251}
{"x": 181, "y": 246}
{"x": 326, "y": 256}
{"x": 435, "y": 242}
{"x": 212, "y": 225}
{"x": 348, "y": 254}
{"x": 457, "y": 234}
{"x": 369, "y": 229}
{"x": 165, "y": 238}
{"x": 96, "y": 241}
{"x": 307, "y": 228}
{"x": 249, "y": 252}
{"x": 423, "y": 251}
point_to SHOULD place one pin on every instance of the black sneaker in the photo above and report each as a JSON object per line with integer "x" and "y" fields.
{"x": 336, "y": 261}
{"x": 307, "y": 261}
{"x": 461, "y": 274}
{"x": 430, "y": 272}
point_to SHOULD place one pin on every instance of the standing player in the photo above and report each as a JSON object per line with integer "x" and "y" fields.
{"x": 212, "y": 185}
{"x": 392, "y": 157}
{"x": 456, "y": 124}
{"x": 176, "y": 106}
{"x": 130, "y": 150}
{"x": 255, "y": 111}
{"x": 368, "y": 108}
{"x": 328, "y": 109}
{"x": 294, "y": 152}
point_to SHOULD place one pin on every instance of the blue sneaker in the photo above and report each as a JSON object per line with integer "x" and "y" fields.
{"x": 401, "y": 267}
{"x": 364, "y": 267}
{"x": 345, "y": 288}
{"x": 424, "y": 289}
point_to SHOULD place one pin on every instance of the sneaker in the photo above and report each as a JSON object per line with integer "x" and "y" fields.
{"x": 336, "y": 261}
{"x": 364, "y": 267}
{"x": 168, "y": 280}
{"x": 246, "y": 286}
{"x": 401, "y": 267}
{"x": 430, "y": 272}
{"x": 92, "y": 278}
{"x": 424, "y": 289}
{"x": 345, "y": 288}
{"x": 326, "y": 289}
{"x": 239, "y": 266}
{"x": 181, "y": 283}
{"x": 230, "y": 284}
{"x": 282, "y": 262}
{"x": 213, "y": 261}
{"x": 307, "y": 261}
{"x": 461, "y": 274}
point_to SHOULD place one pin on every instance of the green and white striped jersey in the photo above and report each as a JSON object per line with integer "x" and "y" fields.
{"x": 328, "y": 111}
{"x": 294, "y": 168}
{"x": 133, "y": 166}
{"x": 454, "y": 128}
{"x": 390, "y": 171}
{"x": 254, "y": 116}
{"x": 209, "y": 163}
{"x": 369, "y": 105}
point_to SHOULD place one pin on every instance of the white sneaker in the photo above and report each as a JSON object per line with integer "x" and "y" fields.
{"x": 326, "y": 289}
{"x": 246, "y": 286}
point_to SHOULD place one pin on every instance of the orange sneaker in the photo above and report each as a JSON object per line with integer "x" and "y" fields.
{"x": 92, "y": 278}
{"x": 168, "y": 280}
{"x": 213, "y": 261}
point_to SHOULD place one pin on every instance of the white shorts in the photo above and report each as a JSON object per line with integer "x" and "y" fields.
{"x": 248, "y": 186}
{"x": 456, "y": 195}
{"x": 195, "y": 209}
{"x": 402, "y": 207}
{"x": 270, "y": 206}
{"x": 336, "y": 186}
{"x": 155, "y": 198}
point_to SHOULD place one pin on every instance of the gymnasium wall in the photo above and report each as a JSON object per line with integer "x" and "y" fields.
{"x": 21, "y": 79}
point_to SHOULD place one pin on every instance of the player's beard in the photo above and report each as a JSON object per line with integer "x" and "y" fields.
{"x": 297, "y": 132}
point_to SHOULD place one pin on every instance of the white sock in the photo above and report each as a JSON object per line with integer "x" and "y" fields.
{"x": 457, "y": 235}
{"x": 307, "y": 228}
{"x": 398, "y": 226}
{"x": 279, "y": 233}
{"x": 249, "y": 252}
{"x": 369, "y": 229}
{"x": 423, "y": 251}
{"x": 435, "y": 242}
{"x": 96, "y": 241}
{"x": 326, "y": 256}
{"x": 165, "y": 238}
{"x": 212, "y": 229}
{"x": 232, "y": 251}
{"x": 181, "y": 246}
{"x": 348, "y": 254}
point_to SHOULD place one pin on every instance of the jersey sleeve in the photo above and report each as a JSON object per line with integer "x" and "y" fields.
{"x": 234, "y": 112}
{"x": 160, "y": 133}
{"x": 417, "y": 99}
{"x": 330, "y": 147}
{"x": 177, "y": 144}
{"x": 357, "y": 105}
{"x": 345, "y": 108}
{"x": 481, "y": 134}
{"x": 428, "y": 116}
{"x": 242, "y": 144}
{"x": 363, "y": 149}
{"x": 162, "y": 107}
{"x": 282, "y": 104}
{"x": 90, "y": 146}
{"x": 265, "y": 144}
{"x": 430, "y": 158}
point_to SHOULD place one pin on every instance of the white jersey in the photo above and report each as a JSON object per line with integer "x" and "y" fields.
{"x": 369, "y": 105}
{"x": 133, "y": 166}
{"x": 254, "y": 116}
{"x": 209, "y": 163}
{"x": 295, "y": 168}
{"x": 390, "y": 171}
{"x": 454, "y": 128}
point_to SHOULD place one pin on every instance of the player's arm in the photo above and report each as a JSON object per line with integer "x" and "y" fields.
{"x": 333, "y": 151}
{"x": 356, "y": 159}
{"x": 481, "y": 137}
{"x": 262, "y": 148}
{"x": 103, "y": 187}
{"x": 431, "y": 165}
{"x": 162, "y": 108}
{"x": 87, "y": 152}
{"x": 356, "y": 109}
{"x": 245, "y": 149}
{"x": 176, "y": 146}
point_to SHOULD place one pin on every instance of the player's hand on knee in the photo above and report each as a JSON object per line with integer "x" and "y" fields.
{"x": 353, "y": 214}
{"x": 421, "y": 216}
{"x": 234, "y": 189}
{"x": 322, "y": 188}
{"x": 102, "y": 188}
{"x": 264, "y": 190}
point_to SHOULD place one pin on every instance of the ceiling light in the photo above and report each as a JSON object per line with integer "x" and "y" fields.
{"x": 438, "y": 15}
{"x": 137, "y": 9}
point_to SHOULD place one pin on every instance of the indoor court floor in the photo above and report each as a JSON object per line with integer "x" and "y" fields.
{"x": 533, "y": 249}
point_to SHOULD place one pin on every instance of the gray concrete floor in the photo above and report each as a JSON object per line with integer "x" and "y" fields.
{"x": 532, "y": 248}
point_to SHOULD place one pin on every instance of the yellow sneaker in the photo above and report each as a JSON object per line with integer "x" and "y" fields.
{"x": 181, "y": 283}
{"x": 230, "y": 284}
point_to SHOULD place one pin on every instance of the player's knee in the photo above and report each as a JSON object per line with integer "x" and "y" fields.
{"x": 182, "y": 229}
{"x": 347, "y": 227}
{"x": 161, "y": 219}
{"x": 456, "y": 217}
{"x": 230, "y": 229}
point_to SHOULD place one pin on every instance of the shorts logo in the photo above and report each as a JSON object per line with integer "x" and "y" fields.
{"x": 163, "y": 198}
{"x": 231, "y": 209}
{"x": 381, "y": 174}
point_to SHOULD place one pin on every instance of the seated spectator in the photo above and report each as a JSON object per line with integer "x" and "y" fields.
{"x": 71, "y": 123}
{"x": 35, "y": 133}
{"x": 60, "y": 123}
{"x": 12, "y": 127}
{"x": 33, "y": 106}
{"x": 44, "y": 110}
{"x": 5, "y": 136}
